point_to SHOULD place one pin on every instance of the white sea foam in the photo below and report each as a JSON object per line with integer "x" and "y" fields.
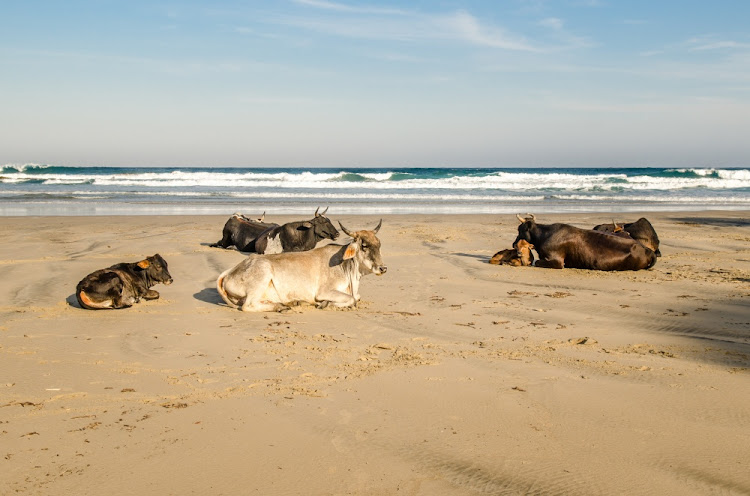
{"x": 398, "y": 191}
{"x": 507, "y": 181}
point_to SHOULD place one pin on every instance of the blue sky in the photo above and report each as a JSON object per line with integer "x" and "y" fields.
{"x": 344, "y": 83}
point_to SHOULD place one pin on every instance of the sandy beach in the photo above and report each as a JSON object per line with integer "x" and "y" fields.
{"x": 452, "y": 377}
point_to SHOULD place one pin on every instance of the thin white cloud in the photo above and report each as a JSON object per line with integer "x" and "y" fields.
{"x": 552, "y": 22}
{"x": 464, "y": 26}
{"x": 718, "y": 45}
{"x": 340, "y": 7}
{"x": 711, "y": 42}
{"x": 285, "y": 100}
{"x": 565, "y": 39}
{"x": 368, "y": 23}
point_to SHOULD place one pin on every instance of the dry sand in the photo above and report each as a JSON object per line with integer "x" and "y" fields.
{"x": 452, "y": 377}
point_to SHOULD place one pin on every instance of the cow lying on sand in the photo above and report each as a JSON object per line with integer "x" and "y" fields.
{"x": 563, "y": 245}
{"x": 640, "y": 230}
{"x": 123, "y": 284}
{"x": 329, "y": 274}
{"x": 521, "y": 256}
{"x": 241, "y": 231}
{"x": 295, "y": 236}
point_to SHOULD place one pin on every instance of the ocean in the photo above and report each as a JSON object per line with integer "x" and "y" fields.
{"x": 31, "y": 189}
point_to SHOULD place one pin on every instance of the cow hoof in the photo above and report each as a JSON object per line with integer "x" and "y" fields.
{"x": 283, "y": 309}
{"x": 151, "y": 295}
{"x": 323, "y": 304}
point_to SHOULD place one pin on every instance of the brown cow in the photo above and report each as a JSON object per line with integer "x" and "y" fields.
{"x": 519, "y": 257}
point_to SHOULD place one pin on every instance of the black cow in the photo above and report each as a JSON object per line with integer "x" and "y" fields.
{"x": 563, "y": 245}
{"x": 123, "y": 284}
{"x": 640, "y": 230}
{"x": 295, "y": 236}
{"x": 241, "y": 232}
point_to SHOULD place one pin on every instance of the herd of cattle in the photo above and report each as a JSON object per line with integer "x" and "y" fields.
{"x": 284, "y": 266}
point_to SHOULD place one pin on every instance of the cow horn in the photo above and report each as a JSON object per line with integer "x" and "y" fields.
{"x": 316, "y": 211}
{"x": 377, "y": 228}
{"x": 347, "y": 231}
{"x": 324, "y": 211}
{"x": 531, "y": 216}
{"x": 262, "y": 217}
{"x": 520, "y": 219}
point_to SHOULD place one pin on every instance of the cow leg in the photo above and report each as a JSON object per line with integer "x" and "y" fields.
{"x": 554, "y": 263}
{"x": 336, "y": 298}
{"x": 116, "y": 291}
{"x": 151, "y": 295}
{"x": 219, "y": 244}
{"x": 125, "y": 300}
{"x": 225, "y": 241}
{"x": 254, "y": 301}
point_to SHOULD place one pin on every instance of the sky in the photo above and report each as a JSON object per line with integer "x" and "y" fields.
{"x": 316, "y": 83}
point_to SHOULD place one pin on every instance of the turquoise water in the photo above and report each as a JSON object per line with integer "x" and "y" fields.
{"x": 53, "y": 190}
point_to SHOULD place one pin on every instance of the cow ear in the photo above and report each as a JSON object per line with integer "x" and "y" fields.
{"x": 304, "y": 226}
{"x": 144, "y": 264}
{"x": 351, "y": 250}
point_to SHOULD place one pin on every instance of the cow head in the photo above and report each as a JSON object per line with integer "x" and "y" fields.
{"x": 365, "y": 247}
{"x": 526, "y": 229}
{"x": 322, "y": 226}
{"x": 156, "y": 269}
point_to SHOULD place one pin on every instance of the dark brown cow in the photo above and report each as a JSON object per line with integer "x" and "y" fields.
{"x": 521, "y": 256}
{"x": 123, "y": 284}
{"x": 241, "y": 231}
{"x": 295, "y": 236}
{"x": 563, "y": 245}
{"x": 640, "y": 230}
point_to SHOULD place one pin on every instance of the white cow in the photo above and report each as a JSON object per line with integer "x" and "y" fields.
{"x": 326, "y": 275}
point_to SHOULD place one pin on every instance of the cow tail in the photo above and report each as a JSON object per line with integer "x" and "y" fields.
{"x": 86, "y": 302}
{"x": 222, "y": 291}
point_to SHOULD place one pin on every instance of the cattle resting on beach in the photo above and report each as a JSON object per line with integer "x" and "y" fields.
{"x": 563, "y": 245}
{"x": 295, "y": 236}
{"x": 241, "y": 231}
{"x": 328, "y": 274}
{"x": 123, "y": 284}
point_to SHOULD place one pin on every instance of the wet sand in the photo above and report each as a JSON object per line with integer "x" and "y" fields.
{"x": 452, "y": 377}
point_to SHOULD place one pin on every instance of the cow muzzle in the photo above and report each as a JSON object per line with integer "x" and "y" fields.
{"x": 380, "y": 270}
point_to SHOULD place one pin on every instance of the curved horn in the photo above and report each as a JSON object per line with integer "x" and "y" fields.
{"x": 316, "y": 211}
{"x": 346, "y": 231}
{"x": 324, "y": 211}
{"x": 262, "y": 217}
{"x": 377, "y": 228}
{"x": 531, "y": 216}
{"x": 520, "y": 219}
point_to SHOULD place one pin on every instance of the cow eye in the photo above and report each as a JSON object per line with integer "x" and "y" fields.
{"x": 364, "y": 246}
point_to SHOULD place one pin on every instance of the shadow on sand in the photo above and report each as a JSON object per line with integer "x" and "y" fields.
{"x": 73, "y": 301}
{"x": 481, "y": 258}
{"x": 709, "y": 221}
{"x": 209, "y": 295}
